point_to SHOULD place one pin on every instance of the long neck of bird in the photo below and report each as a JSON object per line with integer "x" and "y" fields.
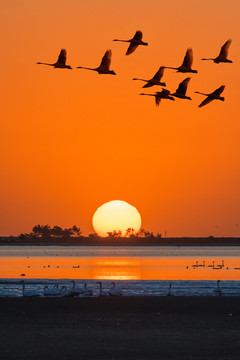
{"x": 197, "y": 92}
{"x": 122, "y": 40}
{"x": 168, "y": 67}
{"x": 43, "y": 63}
{"x": 140, "y": 79}
{"x": 86, "y": 68}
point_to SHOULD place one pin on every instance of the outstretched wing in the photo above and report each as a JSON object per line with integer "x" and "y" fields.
{"x": 206, "y": 101}
{"x": 138, "y": 35}
{"x": 159, "y": 74}
{"x": 165, "y": 92}
{"x": 106, "y": 60}
{"x": 182, "y": 88}
{"x": 225, "y": 48}
{"x": 188, "y": 59}
{"x": 62, "y": 57}
{"x": 148, "y": 84}
{"x": 219, "y": 90}
{"x": 157, "y": 100}
{"x": 131, "y": 49}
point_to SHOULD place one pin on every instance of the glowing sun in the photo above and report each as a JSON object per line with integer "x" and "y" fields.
{"x": 116, "y": 215}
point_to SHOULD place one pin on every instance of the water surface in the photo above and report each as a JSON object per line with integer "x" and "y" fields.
{"x": 118, "y": 263}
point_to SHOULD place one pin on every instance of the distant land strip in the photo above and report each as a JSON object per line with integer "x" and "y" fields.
{"x": 122, "y": 241}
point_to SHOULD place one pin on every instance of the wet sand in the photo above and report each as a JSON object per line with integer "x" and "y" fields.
{"x": 120, "y": 328}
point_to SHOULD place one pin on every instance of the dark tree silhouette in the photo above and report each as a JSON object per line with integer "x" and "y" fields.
{"x": 114, "y": 233}
{"x": 56, "y": 232}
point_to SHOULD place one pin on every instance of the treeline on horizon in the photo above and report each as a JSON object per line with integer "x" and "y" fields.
{"x": 46, "y": 232}
{"x": 44, "y": 235}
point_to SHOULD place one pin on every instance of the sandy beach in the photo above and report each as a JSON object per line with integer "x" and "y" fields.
{"x": 120, "y": 328}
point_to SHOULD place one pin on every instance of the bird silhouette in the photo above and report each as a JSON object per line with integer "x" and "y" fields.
{"x": 155, "y": 80}
{"x": 28, "y": 293}
{"x": 219, "y": 289}
{"x": 222, "y": 57}
{"x": 104, "y": 67}
{"x": 114, "y": 291}
{"x": 169, "y": 290}
{"x": 65, "y": 292}
{"x": 181, "y": 90}
{"x": 76, "y": 290}
{"x": 187, "y": 63}
{"x": 86, "y": 291}
{"x": 164, "y": 94}
{"x": 55, "y": 291}
{"x": 101, "y": 291}
{"x": 134, "y": 42}
{"x": 215, "y": 95}
{"x": 61, "y": 61}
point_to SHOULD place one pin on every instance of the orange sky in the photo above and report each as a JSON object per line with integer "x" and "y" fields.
{"x": 72, "y": 140}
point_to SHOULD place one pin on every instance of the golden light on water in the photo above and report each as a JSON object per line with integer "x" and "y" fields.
{"x": 116, "y": 215}
{"x": 117, "y": 268}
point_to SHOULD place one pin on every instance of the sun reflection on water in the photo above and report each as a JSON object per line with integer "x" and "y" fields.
{"x": 120, "y": 268}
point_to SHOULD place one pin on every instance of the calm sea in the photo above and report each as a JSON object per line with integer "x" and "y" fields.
{"x": 136, "y": 270}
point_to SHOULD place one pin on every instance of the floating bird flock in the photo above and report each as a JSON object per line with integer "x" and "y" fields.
{"x": 186, "y": 67}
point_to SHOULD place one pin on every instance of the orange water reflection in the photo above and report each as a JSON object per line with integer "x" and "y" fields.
{"x": 121, "y": 268}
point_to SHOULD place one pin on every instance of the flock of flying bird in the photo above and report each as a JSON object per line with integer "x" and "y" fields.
{"x": 186, "y": 67}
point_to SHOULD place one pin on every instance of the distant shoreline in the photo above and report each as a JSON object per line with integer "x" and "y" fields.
{"x": 122, "y": 241}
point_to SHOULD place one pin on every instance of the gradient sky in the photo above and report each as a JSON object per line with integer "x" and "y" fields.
{"x": 72, "y": 140}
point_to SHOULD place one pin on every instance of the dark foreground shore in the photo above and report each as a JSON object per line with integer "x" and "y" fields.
{"x": 120, "y": 328}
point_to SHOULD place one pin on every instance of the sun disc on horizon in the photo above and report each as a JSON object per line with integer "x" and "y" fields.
{"x": 116, "y": 215}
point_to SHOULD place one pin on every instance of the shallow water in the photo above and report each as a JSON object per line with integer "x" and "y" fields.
{"x": 137, "y": 270}
{"x": 128, "y": 263}
{"x": 14, "y": 287}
